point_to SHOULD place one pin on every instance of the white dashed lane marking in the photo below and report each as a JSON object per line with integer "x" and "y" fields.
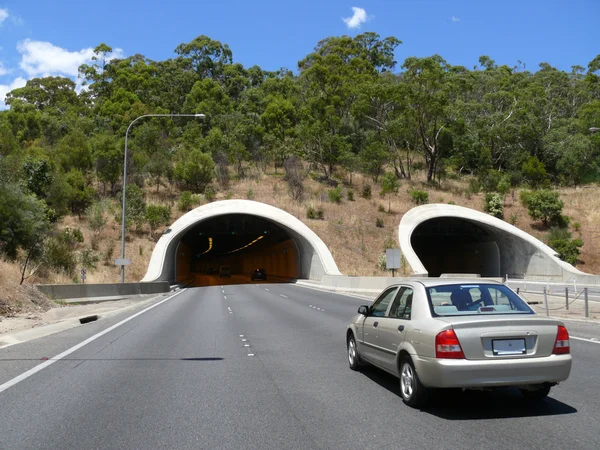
{"x": 284, "y": 296}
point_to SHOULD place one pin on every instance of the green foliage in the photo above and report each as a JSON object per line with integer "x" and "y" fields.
{"x": 419, "y": 197}
{"x": 23, "y": 219}
{"x": 59, "y": 255}
{"x": 568, "y": 249}
{"x": 315, "y": 213}
{"x": 389, "y": 185}
{"x": 186, "y": 201}
{"x": 88, "y": 258}
{"x": 366, "y": 192}
{"x": 389, "y": 242}
{"x": 577, "y": 226}
{"x": 494, "y": 205}
{"x": 335, "y": 195}
{"x": 545, "y": 206}
{"x": 38, "y": 176}
{"x": 79, "y": 194}
{"x": 210, "y": 194}
{"x": 534, "y": 173}
{"x": 514, "y": 218}
{"x": 135, "y": 212}
{"x": 379, "y": 222}
{"x": 381, "y": 208}
{"x": 350, "y": 195}
{"x": 157, "y": 216}
{"x": 195, "y": 171}
{"x": 250, "y": 194}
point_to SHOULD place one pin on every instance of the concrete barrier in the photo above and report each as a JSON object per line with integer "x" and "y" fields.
{"x": 65, "y": 291}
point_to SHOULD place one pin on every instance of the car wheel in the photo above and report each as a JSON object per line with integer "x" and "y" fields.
{"x": 413, "y": 393}
{"x": 354, "y": 360}
{"x": 536, "y": 395}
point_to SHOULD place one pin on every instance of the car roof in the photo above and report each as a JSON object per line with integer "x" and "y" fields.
{"x": 432, "y": 282}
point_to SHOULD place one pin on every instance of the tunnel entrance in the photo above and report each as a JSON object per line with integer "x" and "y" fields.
{"x": 227, "y": 249}
{"x": 454, "y": 245}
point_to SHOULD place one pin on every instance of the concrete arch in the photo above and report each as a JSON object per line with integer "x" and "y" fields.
{"x": 315, "y": 258}
{"x": 506, "y": 249}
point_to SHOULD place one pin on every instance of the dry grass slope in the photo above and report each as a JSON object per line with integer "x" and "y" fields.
{"x": 349, "y": 228}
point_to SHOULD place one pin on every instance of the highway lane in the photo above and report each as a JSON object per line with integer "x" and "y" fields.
{"x": 180, "y": 376}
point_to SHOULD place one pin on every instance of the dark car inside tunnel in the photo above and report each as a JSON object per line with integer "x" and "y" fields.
{"x": 228, "y": 249}
{"x": 450, "y": 245}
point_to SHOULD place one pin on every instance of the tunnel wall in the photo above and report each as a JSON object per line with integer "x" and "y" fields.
{"x": 521, "y": 255}
{"x": 315, "y": 258}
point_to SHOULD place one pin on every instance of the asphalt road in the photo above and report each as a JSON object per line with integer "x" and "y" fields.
{"x": 261, "y": 367}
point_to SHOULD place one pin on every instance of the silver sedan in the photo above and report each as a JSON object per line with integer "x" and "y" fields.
{"x": 459, "y": 334}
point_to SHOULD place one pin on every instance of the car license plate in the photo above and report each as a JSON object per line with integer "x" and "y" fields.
{"x": 503, "y": 347}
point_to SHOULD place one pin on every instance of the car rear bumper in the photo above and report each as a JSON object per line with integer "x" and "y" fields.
{"x": 462, "y": 373}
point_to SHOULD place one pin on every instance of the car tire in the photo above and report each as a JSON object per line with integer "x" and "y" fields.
{"x": 536, "y": 395}
{"x": 354, "y": 360}
{"x": 414, "y": 394}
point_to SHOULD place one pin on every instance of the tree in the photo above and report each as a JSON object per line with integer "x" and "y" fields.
{"x": 535, "y": 173}
{"x": 428, "y": 102}
{"x": 80, "y": 196}
{"x": 23, "y": 219}
{"x": 389, "y": 185}
{"x": 195, "y": 171}
{"x": 205, "y": 56}
{"x": 545, "y": 206}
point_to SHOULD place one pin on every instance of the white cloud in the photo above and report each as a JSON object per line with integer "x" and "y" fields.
{"x": 45, "y": 59}
{"x": 6, "y": 88}
{"x": 455, "y": 19}
{"x": 3, "y": 15}
{"x": 359, "y": 17}
{"x": 3, "y": 71}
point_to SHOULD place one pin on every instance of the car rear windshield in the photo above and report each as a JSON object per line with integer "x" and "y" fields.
{"x": 470, "y": 299}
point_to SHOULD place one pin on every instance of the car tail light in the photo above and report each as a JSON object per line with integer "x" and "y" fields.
{"x": 561, "y": 346}
{"x": 447, "y": 346}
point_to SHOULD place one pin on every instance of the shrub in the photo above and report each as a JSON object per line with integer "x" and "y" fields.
{"x": 567, "y": 248}
{"x": 96, "y": 218}
{"x": 545, "y": 206}
{"x": 366, "y": 191}
{"x": 381, "y": 208}
{"x": 250, "y": 194}
{"x": 158, "y": 215}
{"x": 514, "y": 218}
{"x": 577, "y": 226}
{"x": 419, "y": 197}
{"x": 59, "y": 255}
{"x": 315, "y": 214}
{"x": 350, "y": 195}
{"x": 88, "y": 258}
{"x": 185, "y": 202}
{"x": 389, "y": 185}
{"x": 335, "y": 195}
{"x": 389, "y": 243}
{"x": 379, "y": 222}
{"x": 524, "y": 197}
{"x": 210, "y": 194}
{"x": 494, "y": 205}
{"x": 381, "y": 262}
{"x": 195, "y": 171}
{"x": 451, "y": 202}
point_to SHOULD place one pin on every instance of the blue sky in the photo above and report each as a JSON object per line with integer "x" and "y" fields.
{"x": 42, "y": 37}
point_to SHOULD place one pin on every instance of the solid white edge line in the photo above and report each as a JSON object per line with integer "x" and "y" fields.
{"x": 49, "y": 362}
{"x": 584, "y": 339}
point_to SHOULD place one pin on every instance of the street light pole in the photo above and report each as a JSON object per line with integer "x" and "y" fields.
{"x": 200, "y": 116}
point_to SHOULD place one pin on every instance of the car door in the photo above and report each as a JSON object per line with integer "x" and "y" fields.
{"x": 370, "y": 348}
{"x": 394, "y": 327}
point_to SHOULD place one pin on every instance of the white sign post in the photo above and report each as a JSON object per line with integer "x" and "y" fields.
{"x": 392, "y": 259}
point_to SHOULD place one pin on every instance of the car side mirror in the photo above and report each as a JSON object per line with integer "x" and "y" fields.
{"x": 364, "y": 310}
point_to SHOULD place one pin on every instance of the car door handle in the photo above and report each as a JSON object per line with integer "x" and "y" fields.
{"x": 401, "y": 328}
{"x": 375, "y": 324}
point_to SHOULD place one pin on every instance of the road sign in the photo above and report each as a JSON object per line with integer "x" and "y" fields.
{"x": 392, "y": 258}
{"x": 122, "y": 262}
{"x": 83, "y": 275}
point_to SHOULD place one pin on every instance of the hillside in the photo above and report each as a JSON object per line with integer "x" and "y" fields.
{"x": 349, "y": 228}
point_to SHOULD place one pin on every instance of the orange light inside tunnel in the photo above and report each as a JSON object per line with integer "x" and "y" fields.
{"x": 245, "y": 246}
{"x": 209, "y": 247}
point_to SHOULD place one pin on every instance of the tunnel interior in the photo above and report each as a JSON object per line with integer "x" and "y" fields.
{"x": 244, "y": 243}
{"x": 452, "y": 245}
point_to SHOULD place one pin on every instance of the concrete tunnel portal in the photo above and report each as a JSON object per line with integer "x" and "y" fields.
{"x": 241, "y": 241}
{"x": 243, "y": 235}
